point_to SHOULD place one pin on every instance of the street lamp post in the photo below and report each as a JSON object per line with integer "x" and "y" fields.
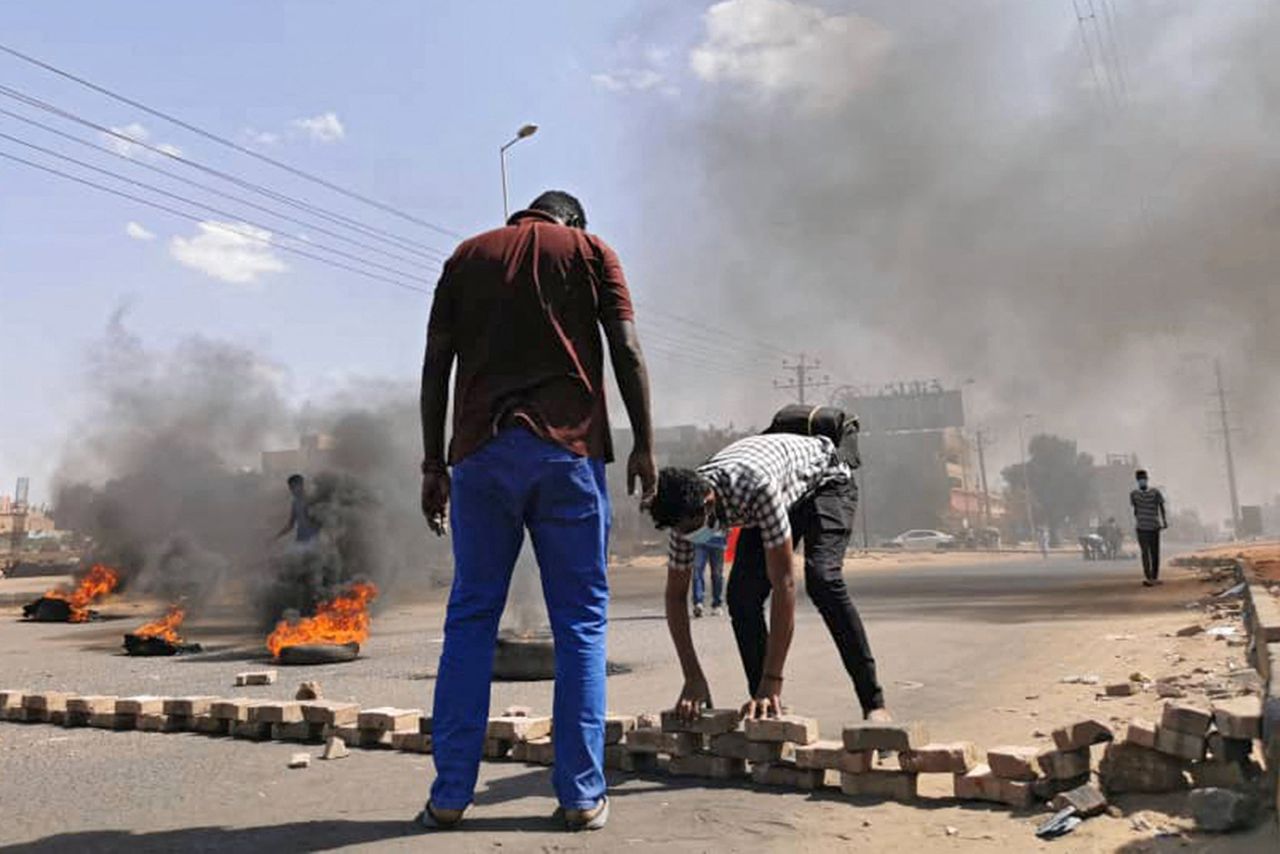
{"x": 1026, "y": 480}
{"x": 524, "y": 132}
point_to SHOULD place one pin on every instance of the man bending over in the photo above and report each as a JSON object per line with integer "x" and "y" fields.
{"x": 782, "y": 489}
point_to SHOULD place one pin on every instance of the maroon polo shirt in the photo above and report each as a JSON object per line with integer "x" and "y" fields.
{"x": 521, "y": 308}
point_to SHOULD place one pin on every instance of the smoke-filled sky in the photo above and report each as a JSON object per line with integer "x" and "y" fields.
{"x": 1074, "y": 215}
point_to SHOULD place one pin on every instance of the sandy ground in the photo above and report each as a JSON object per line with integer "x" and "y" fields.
{"x": 976, "y": 646}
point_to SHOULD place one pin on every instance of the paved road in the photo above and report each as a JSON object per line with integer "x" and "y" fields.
{"x": 954, "y": 642}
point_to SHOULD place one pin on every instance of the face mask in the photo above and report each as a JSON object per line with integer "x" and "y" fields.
{"x": 1142, "y": 483}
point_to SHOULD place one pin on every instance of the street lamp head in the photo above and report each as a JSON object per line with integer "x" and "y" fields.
{"x": 526, "y": 130}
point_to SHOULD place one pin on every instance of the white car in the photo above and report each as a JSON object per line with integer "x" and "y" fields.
{"x": 922, "y": 540}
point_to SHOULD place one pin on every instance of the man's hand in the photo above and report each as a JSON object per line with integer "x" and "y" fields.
{"x": 640, "y": 466}
{"x": 435, "y": 499}
{"x": 695, "y": 697}
{"x": 767, "y": 702}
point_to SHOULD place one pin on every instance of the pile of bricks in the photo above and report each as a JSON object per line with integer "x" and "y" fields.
{"x": 1191, "y": 745}
{"x": 1204, "y": 748}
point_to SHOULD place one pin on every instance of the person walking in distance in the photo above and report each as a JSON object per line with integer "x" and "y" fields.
{"x": 519, "y": 310}
{"x": 709, "y": 552}
{"x": 1149, "y": 519}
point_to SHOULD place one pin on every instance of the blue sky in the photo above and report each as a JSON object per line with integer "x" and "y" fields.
{"x": 423, "y": 95}
{"x": 990, "y": 190}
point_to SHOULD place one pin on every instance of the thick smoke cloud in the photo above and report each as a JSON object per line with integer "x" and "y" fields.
{"x": 978, "y": 199}
{"x": 165, "y": 476}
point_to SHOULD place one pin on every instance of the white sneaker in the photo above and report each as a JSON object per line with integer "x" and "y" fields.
{"x": 697, "y": 610}
{"x": 716, "y": 611}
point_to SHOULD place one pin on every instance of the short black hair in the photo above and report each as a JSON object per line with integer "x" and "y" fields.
{"x": 562, "y": 206}
{"x": 294, "y": 478}
{"x": 1141, "y": 473}
{"x": 681, "y": 493}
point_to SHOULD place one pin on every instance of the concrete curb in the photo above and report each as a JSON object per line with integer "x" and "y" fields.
{"x": 1262, "y": 622}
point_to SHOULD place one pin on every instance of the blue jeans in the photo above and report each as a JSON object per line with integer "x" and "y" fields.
{"x": 518, "y": 481}
{"x": 703, "y": 555}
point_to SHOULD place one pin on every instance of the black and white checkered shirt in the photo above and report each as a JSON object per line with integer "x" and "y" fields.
{"x": 759, "y": 479}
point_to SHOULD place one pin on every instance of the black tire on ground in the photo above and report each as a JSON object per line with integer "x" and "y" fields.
{"x": 319, "y": 653}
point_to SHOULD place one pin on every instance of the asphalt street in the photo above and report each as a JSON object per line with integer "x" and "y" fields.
{"x": 972, "y": 645}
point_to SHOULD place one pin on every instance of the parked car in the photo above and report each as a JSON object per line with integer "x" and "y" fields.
{"x": 921, "y": 539}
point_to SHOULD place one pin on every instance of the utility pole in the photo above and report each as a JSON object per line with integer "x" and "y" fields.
{"x": 1026, "y": 480}
{"x": 980, "y": 437}
{"x": 1224, "y": 418}
{"x": 803, "y": 381}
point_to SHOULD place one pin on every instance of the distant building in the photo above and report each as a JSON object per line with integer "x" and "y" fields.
{"x": 314, "y": 452}
{"x": 919, "y": 469}
{"x": 1112, "y": 483}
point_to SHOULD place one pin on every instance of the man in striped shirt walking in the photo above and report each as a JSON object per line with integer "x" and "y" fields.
{"x": 1149, "y": 519}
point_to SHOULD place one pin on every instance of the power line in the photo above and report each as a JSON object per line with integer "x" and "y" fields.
{"x": 729, "y": 357}
{"x": 320, "y": 229}
{"x": 407, "y": 244}
{"x": 741, "y": 341}
{"x": 803, "y": 381}
{"x": 1088, "y": 51}
{"x": 158, "y": 206}
{"x": 216, "y": 211}
{"x": 293, "y": 170}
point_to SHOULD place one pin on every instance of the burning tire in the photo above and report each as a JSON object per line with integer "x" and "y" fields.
{"x": 319, "y": 653}
{"x": 150, "y": 645}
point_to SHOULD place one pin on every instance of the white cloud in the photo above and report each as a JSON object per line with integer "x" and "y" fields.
{"x": 322, "y": 128}
{"x": 141, "y": 134}
{"x": 627, "y": 80}
{"x": 261, "y": 137}
{"x": 121, "y": 146}
{"x": 138, "y": 232}
{"x": 231, "y": 251}
{"x": 787, "y": 48}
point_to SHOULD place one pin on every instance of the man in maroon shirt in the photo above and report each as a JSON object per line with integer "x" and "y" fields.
{"x": 520, "y": 310}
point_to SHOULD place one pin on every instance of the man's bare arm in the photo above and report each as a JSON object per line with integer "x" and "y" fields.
{"x": 433, "y": 406}
{"x": 633, "y": 383}
{"x": 695, "y": 694}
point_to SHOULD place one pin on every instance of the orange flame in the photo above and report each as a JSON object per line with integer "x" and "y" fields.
{"x": 343, "y": 619}
{"x": 96, "y": 583}
{"x": 165, "y": 628}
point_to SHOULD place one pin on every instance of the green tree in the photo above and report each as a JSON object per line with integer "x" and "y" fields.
{"x": 1060, "y": 479}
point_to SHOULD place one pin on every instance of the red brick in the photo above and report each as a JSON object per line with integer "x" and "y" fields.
{"x": 617, "y": 726}
{"x": 792, "y": 728}
{"x": 388, "y": 719}
{"x": 954, "y": 758}
{"x": 276, "y": 712}
{"x": 188, "y": 706}
{"x": 735, "y": 745}
{"x": 518, "y": 728}
{"x": 1240, "y": 717}
{"x": 1015, "y": 763}
{"x": 1082, "y": 734}
{"x": 709, "y": 722}
{"x": 787, "y": 775}
{"x": 871, "y": 735}
{"x": 411, "y": 742}
{"x": 1187, "y": 718}
{"x": 706, "y": 765}
{"x": 889, "y": 785}
{"x": 330, "y": 712}
{"x": 1141, "y": 732}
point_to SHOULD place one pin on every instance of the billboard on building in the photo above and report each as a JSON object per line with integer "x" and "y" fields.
{"x": 897, "y": 407}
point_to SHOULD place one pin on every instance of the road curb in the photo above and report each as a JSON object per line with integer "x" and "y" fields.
{"x": 1262, "y": 623}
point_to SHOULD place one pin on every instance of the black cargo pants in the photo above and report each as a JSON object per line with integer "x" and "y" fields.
{"x": 824, "y": 522}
